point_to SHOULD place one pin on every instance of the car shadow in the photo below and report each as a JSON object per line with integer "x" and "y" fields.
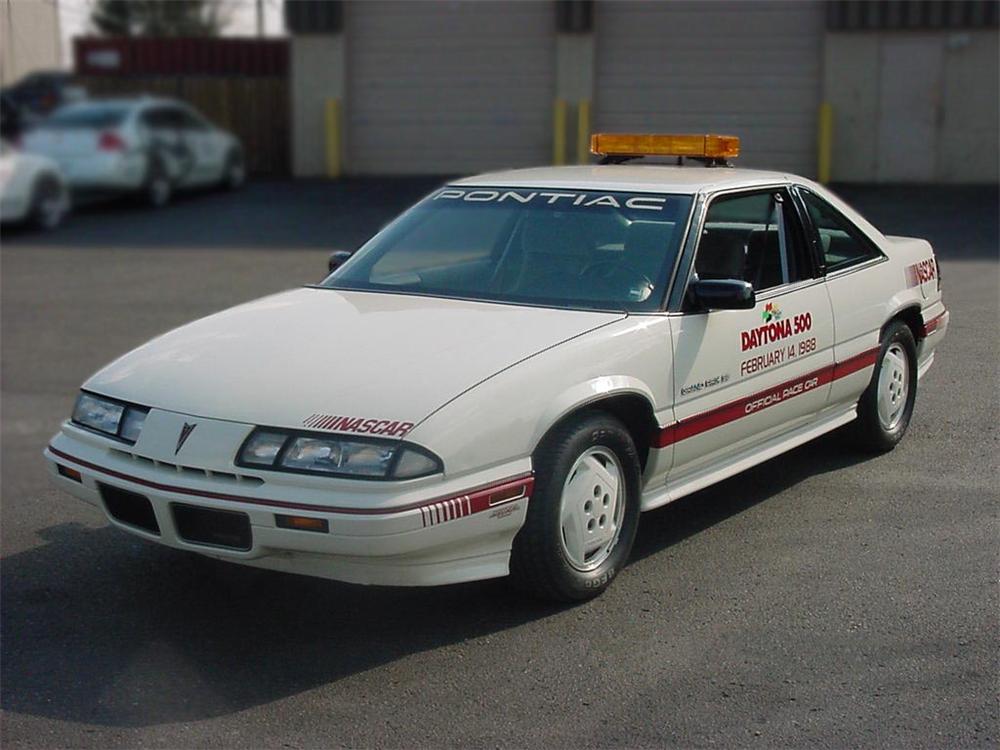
{"x": 675, "y": 522}
{"x": 91, "y": 613}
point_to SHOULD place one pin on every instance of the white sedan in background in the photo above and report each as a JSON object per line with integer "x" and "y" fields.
{"x": 31, "y": 189}
{"x": 502, "y": 379}
{"x": 146, "y": 146}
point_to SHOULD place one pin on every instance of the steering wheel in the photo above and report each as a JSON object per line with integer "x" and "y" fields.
{"x": 611, "y": 271}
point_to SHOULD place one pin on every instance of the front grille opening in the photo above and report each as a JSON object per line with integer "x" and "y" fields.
{"x": 190, "y": 471}
{"x": 211, "y": 527}
{"x": 129, "y": 508}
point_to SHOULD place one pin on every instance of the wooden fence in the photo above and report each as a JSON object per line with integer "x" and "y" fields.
{"x": 254, "y": 108}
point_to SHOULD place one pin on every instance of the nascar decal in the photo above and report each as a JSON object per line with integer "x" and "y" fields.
{"x": 359, "y": 425}
{"x": 552, "y": 198}
{"x": 919, "y": 273}
{"x": 776, "y": 327}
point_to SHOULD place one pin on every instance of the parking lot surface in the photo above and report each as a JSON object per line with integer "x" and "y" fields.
{"x": 822, "y": 599}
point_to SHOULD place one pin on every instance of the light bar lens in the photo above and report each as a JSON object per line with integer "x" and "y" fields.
{"x": 651, "y": 144}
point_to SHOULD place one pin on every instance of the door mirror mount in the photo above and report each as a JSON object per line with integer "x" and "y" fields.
{"x": 338, "y": 258}
{"x": 722, "y": 294}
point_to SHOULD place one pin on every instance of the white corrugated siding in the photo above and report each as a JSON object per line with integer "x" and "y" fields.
{"x": 751, "y": 69}
{"x": 449, "y": 86}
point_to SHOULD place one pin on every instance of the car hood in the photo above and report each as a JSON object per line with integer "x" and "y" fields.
{"x": 290, "y": 359}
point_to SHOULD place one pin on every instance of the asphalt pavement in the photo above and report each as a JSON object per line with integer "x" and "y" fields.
{"x": 823, "y": 599}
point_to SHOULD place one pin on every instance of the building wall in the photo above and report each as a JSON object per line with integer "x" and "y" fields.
{"x": 317, "y": 76}
{"x": 458, "y": 87}
{"x": 29, "y": 38}
{"x": 751, "y": 69}
{"x": 918, "y": 106}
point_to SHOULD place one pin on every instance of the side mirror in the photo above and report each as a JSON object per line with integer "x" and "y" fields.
{"x": 338, "y": 258}
{"x": 723, "y": 294}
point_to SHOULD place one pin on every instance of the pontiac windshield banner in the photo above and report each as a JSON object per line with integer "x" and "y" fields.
{"x": 554, "y": 198}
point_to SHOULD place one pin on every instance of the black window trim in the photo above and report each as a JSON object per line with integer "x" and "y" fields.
{"x": 678, "y": 295}
{"x": 877, "y": 255}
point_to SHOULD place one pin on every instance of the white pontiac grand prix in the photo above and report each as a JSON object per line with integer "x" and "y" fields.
{"x": 501, "y": 380}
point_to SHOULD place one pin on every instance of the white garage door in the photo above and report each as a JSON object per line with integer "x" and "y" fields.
{"x": 448, "y": 86}
{"x": 751, "y": 69}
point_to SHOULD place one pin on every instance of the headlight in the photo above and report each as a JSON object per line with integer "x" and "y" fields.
{"x": 113, "y": 418}
{"x": 336, "y": 455}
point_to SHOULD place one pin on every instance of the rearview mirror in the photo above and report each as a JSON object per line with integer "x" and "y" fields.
{"x": 723, "y": 294}
{"x": 338, "y": 258}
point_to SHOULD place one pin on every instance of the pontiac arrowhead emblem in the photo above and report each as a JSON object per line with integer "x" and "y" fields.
{"x": 186, "y": 431}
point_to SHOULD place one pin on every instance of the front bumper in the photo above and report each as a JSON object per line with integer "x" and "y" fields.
{"x": 436, "y": 532}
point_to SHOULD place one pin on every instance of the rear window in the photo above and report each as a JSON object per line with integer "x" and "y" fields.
{"x": 90, "y": 116}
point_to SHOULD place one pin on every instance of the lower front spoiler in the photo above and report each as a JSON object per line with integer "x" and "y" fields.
{"x": 468, "y": 548}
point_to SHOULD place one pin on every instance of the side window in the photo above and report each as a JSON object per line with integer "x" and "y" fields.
{"x": 843, "y": 244}
{"x": 190, "y": 121}
{"x": 154, "y": 119}
{"x": 755, "y": 237}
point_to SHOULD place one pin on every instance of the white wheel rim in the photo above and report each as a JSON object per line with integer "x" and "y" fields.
{"x": 591, "y": 508}
{"x": 51, "y": 210}
{"x": 893, "y": 387}
{"x": 161, "y": 191}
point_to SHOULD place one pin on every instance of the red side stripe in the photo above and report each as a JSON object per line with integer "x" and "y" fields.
{"x": 526, "y": 481}
{"x": 709, "y": 420}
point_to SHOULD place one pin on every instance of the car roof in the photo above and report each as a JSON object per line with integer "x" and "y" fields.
{"x": 122, "y": 101}
{"x": 647, "y": 178}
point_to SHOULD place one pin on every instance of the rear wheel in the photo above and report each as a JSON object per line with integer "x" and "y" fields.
{"x": 886, "y": 406}
{"x": 583, "y": 513}
{"x": 48, "y": 204}
{"x": 158, "y": 189}
{"x": 235, "y": 173}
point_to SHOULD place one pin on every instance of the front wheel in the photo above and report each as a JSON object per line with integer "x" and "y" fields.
{"x": 235, "y": 173}
{"x": 584, "y": 512}
{"x": 886, "y": 406}
{"x": 49, "y": 204}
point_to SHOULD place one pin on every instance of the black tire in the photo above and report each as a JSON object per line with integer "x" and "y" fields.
{"x": 540, "y": 561}
{"x": 48, "y": 203}
{"x": 235, "y": 174}
{"x": 158, "y": 189}
{"x": 871, "y": 432}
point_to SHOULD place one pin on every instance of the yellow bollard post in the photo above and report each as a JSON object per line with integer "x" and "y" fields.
{"x": 333, "y": 144}
{"x": 583, "y": 132}
{"x": 559, "y": 133}
{"x": 824, "y": 142}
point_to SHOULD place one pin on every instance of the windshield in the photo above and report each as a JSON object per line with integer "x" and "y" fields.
{"x": 573, "y": 248}
{"x": 94, "y": 116}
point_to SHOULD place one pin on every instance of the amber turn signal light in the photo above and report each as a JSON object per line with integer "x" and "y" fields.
{"x": 302, "y": 523}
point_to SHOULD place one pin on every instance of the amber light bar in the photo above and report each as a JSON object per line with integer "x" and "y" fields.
{"x": 651, "y": 144}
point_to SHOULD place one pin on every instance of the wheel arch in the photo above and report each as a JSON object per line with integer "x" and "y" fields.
{"x": 632, "y": 406}
{"x": 912, "y": 317}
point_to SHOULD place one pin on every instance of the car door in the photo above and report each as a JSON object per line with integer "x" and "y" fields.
{"x": 162, "y": 127}
{"x": 857, "y": 277}
{"x": 745, "y": 377}
{"x": 206, "y": 145}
